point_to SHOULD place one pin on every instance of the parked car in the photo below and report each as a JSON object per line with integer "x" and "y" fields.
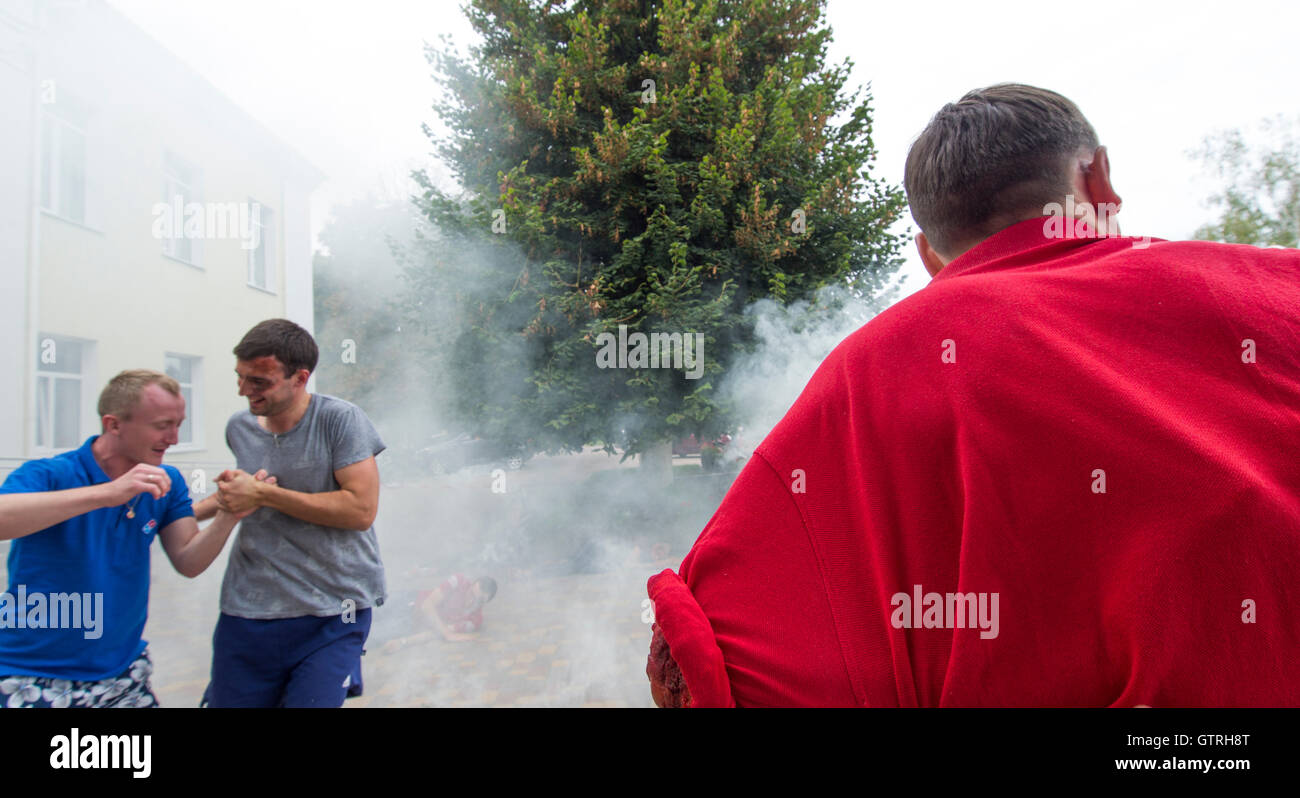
{"x": 450, "y": 453}
{"x": 710, "y": 452}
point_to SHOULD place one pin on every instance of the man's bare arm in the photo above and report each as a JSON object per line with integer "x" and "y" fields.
{"x": 22, "y": 514}
{"x": 190, "y": 549}
{"x": 429, "y": 608}
{"x": 206, "y": 508}
{"x": 352, "y": 507}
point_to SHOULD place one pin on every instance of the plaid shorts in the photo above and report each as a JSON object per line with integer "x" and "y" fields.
{"x": 130, "y": 689}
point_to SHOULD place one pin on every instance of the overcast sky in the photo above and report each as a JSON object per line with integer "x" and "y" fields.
{"x": 346, "y": 82}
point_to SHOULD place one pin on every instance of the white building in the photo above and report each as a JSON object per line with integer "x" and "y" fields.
{"x": 107, "y": 139}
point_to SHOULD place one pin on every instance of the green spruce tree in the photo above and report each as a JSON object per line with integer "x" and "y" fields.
{"x": 650, "y": 165}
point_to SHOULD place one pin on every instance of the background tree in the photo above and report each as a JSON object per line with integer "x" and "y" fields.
{"x": 365, "y": 353}
{"x": 658, "y": 164}
{"x": 1260, "y": 201}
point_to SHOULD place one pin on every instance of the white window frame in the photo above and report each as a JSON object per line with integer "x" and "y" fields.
{"x": 191, "y": 192}
{"x": 85, "y": 395}
{"x": 264, "y": 223}
{"x": 53, "y": 164}
{"x": 194, "y": 407}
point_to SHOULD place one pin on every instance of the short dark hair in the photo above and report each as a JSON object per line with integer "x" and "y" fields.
{"x": 993, "y": 158}
{"x": 488, "y": 585}
{"x": 290, "y": 344}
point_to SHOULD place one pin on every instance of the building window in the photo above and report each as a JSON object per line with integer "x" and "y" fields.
{"x": 64, "y": 128}
{"x": 180, "y": 187}
{"x": 59, "y": 389}
{"x": 261, "y": 258}
{"x": 187, "y": 371}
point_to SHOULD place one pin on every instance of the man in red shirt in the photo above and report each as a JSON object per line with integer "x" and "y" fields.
{"x": 1063, "y": 474}
{"x": 455, "y": 608}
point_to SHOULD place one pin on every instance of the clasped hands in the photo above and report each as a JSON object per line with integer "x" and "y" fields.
{"x": 240, "y": 493}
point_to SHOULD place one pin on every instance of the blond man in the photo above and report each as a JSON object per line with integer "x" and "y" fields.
{"x": 81, "y": 524}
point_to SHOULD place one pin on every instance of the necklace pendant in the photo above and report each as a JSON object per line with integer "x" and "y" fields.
{"x": 130, "y": 512}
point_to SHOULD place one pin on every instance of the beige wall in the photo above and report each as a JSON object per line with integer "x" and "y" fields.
{"x": 107, "y": 280}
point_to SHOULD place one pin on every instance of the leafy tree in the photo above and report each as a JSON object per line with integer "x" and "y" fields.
{"x": 1260, "y": 203}
{"x": 657, "y": 164}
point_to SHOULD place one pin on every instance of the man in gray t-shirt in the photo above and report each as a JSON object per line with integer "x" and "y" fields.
{"x": 304, "y": 570}
{"x": 285, "y": 567}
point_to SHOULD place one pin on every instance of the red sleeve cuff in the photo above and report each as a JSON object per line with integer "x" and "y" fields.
{"x": 690, "y": 641}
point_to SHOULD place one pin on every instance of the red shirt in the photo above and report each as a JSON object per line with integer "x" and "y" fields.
{"x": 1103, "y": 438}
{"x": 459, "y": 608}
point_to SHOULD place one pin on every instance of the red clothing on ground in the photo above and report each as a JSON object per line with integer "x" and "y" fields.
{"x": 458, "y": 607}
{"x": 984, "y": 475}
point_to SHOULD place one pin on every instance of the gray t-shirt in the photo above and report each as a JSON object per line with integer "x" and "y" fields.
{"x": 280, "y": 566}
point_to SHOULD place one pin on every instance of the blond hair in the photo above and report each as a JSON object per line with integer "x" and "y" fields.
{"x": 123, "y": 392}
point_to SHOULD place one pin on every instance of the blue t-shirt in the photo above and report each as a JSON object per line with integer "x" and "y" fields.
{"x": 79, "y": 591}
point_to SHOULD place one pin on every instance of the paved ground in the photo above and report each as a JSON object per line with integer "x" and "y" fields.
{"x": 571, "y": 557}
{"x": 575, "y": 640}
{"x": 564, "y": 641}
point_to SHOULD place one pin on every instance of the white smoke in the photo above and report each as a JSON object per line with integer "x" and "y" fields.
{"x": 791, "y": 342}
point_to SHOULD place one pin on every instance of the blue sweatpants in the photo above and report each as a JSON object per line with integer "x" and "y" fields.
{"x": 286, "y": 662}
